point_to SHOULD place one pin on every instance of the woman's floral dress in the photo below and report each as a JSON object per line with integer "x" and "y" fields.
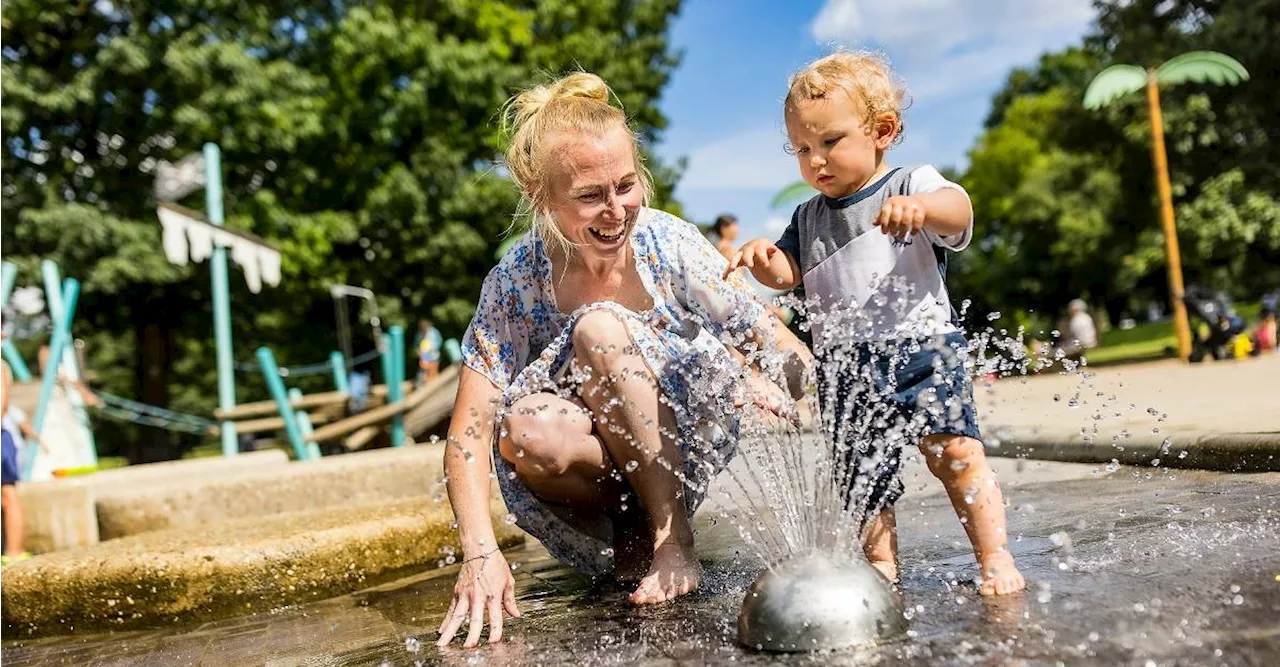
{"x": 521, "y": 342}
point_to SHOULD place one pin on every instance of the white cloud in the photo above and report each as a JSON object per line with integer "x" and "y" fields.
{"x": 749, "y": 160}
{"x": 945, "y": 48}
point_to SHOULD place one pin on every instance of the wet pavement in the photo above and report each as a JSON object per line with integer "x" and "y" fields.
{"x": 1125, "y": 566}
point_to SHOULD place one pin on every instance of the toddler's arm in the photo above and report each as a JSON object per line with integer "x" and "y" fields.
{"x": 932, "y": 204}
{"x": 946, "y": 211}
{"x": 772, "y": 266}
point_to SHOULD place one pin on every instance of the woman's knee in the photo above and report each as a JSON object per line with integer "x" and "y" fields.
{"x": 950, "y": 456}
{"x": 536, "y": 431}
{"x": 600, "y": 332}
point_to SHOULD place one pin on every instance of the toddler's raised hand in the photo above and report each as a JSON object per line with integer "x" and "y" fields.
{"x": 901, "y": 216}
{"x": 754, "y": 253}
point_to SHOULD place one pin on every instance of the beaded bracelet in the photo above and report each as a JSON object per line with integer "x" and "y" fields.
{"x": 482, "y": 556}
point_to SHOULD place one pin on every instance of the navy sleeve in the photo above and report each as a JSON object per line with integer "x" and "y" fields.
{"x": 789, "y": 242}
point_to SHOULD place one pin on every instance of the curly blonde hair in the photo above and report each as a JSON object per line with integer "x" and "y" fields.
{"x": 864, "y": 75}
{"x": 536, "y": 118}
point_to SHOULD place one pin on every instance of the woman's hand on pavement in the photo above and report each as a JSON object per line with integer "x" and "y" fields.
{"x": 485, "y": 585}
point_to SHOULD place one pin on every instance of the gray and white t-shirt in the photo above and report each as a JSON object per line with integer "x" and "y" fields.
{"x": 882, "y": 287}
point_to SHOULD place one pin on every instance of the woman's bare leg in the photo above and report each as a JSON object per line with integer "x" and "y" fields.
{"x": 636, "y": 430}
{"x": 549, "y": 442}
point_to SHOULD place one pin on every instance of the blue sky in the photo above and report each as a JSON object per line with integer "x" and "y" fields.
{"x": 724, "y": 101}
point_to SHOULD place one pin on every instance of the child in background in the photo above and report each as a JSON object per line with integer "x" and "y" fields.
{"x": 10, "y": 507}
{"x": 843, "y": 112}
{"x": 429, "y": 343}
{"x": 1264, "y": 335}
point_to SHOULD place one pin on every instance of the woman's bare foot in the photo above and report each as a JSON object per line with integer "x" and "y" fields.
{"x": 632, "y": 547}
{"x": 675, "y": 571}
{"x": 999, "y": 575}
{"x": 887, "y": 568}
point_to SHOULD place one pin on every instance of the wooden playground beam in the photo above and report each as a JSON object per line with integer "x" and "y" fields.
{"x": 277, "y": 423}
{"x": 360, "y": 438}
{"x": 322, "y": 399}
{"x": 370, "y": 417}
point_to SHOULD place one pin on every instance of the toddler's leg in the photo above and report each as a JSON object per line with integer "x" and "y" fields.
{"x": 961, "y": 465}
{"x": 881, "y": 544}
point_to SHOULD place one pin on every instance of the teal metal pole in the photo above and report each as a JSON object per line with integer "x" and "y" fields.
{"x": 271, "y": 372}
{"x": 69, "y": 367}
{"x": 61, "y": 336}
{"x": 9, "y": 278}
{"x": 452, "y": 351}
{"x": 221, "y": 299}
{"x": 339, "y": 372}
{"x": 19, "y": 367}
{"x": 395, "y": 392}
{"x": 305, "y": 427}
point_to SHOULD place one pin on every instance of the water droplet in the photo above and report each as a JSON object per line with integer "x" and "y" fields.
{"x": 607, "y": 552}
{"x": 631, "y": 465}
{"x": 412, "y": 645}
{"x": 510, "y": 519}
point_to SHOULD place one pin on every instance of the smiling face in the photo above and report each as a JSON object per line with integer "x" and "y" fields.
{"x": 595, "y": 192}
{"x": 838, "y": 151}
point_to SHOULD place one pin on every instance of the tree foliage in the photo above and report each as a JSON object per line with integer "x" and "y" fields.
{"x": 359, "y": 137}
{"x": 1065, "y": 196}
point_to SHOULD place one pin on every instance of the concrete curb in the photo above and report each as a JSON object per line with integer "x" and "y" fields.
{"x": 360, "y": 478}
{"x": 61, "y": 513}
{"x": 241, "y": 567}
{"x": 1223, "y": 452}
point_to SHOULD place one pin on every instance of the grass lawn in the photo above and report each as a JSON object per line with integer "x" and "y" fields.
{"x": 1144, "y": 342}
{"x": 1154, "y": 340}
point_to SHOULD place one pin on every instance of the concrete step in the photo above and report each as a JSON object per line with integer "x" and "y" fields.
{"x": 205, "y": 572}
{"x": 359, "y": 478}
{"x": 61, "y": 513}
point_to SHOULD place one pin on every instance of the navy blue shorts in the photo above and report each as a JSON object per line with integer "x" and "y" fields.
{"x": 8, "y": 459}
{"x": 878, "y": 397}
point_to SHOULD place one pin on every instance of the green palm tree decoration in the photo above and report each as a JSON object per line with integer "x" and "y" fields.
{"x": 795, "y": 192}
{"x": 1120, "y": 80}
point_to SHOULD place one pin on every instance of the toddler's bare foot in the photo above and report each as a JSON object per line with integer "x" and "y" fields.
{"x": 675, "y": 571}
{"x": 887, "y": 568}
{"x": 999, "y": 575}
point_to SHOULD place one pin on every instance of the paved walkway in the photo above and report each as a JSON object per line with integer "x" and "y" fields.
{"x": 1179, "y": 568}
{"x": 1218, "y": 411}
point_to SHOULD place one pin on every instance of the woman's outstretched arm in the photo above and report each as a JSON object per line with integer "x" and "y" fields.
{"x": 484, "y": 582}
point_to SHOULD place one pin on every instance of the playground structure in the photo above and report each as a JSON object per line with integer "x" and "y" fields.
{"x": 59, "y": 408}
{"x": 61, "y": 415}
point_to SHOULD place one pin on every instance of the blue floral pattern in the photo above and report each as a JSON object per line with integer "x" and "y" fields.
{"x": 520, "y": 341}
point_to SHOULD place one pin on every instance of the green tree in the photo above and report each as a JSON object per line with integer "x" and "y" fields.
{"x": 1065, "y": 200}
{"x": 359, "y": 137}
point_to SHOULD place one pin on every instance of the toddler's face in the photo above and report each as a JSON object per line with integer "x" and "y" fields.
{"x": 834, "y": 146}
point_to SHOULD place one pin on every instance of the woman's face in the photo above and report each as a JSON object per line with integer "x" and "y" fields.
{"x": 595, "y": 192}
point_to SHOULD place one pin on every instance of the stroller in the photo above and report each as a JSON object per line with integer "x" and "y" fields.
{"x": 1214, "y": 308}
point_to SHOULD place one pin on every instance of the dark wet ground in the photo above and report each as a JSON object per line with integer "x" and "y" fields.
{"x": 1182, "y": 568}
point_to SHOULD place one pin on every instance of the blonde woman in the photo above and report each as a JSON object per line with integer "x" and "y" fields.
{"x": 589, "y": 384}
